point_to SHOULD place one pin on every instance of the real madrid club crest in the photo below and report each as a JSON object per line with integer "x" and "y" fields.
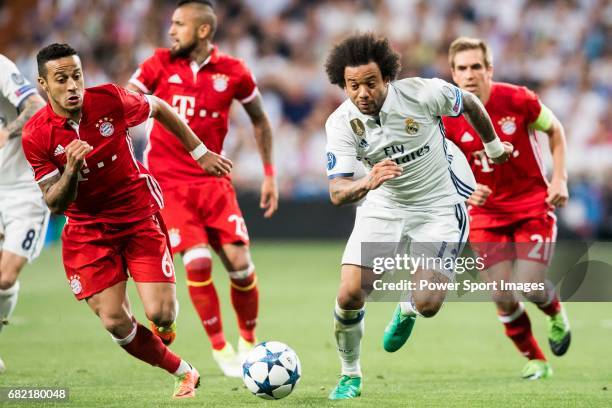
{"x": 220, "y": 82}
{"x": 507, "y": 124}
{"x": 105, "y": 126}
{"x": 412, "y": 127}
{"x": 358, "y": 127}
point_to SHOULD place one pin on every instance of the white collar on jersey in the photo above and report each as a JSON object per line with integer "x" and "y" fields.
{"x": 195, "y": 67}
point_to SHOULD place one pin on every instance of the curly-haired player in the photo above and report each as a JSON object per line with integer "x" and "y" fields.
{"x": 415, "y": 188}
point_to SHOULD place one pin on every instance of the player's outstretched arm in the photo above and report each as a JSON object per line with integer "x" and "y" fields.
{"x": 31, "y": 105}
{"x": 343, "y": 190}
{"x": 477, "y": 116}
{"x": 211, "y": 162}
{"x": 263, "y": 138}
{"x": 60, "y": 191}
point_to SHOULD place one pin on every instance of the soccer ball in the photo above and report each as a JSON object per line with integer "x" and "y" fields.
{"x": 271, "y": 370}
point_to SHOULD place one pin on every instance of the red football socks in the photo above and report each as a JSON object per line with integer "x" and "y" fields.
{"x": 245, "y": 299}
{"x": 205, "y": 299}
{"x": 146, "y": 346}
{"x": 518, "y": 328}
{"x": 551, "y": 308}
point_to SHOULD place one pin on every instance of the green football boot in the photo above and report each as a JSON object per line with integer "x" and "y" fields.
{"x": 398, "y": 330}
{"x": 559, "y": 335}
{"x": 536, "y": 369}
{"x": 348, "y": 387}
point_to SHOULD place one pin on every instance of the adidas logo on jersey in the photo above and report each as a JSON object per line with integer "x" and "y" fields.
{"x": 175, "y": 79}
{"x": 59, "y": 150}
{"x": 467, "y": 137}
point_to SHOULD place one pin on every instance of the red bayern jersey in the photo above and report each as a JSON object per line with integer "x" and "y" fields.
{"x": 202, "y": 95}
{"x": 113, "y": 187}
{"x": 519, "y": 186}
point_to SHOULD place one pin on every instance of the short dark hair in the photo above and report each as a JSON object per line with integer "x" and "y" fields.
{"x": 203, "y": 2}
{"x": 52, "y": 52}
{"x": 361, "y": 49}
{"x": 209, "y": 18}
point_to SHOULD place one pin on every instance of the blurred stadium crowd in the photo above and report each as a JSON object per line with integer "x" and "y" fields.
{"x": 559, "y": 48}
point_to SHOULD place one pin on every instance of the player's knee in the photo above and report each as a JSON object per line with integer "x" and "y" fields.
{"x": 351, "y": 299}
{"x": 536, "y": 296}
{"x": 8, "y": 276}
{"x": 243, "y": 277}
{"x": 507, "y": 306}
{"x": 503, "y": 297}
{"x": 241, "y": 263}
{"x": 118, "y": 324}
{"x": 8, "y": 282}
{"x": 162, "y": 316}
{"x": 428, "y": 307}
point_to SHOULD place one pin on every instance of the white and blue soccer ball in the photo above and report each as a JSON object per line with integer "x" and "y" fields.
{"x": 271, "y": 370}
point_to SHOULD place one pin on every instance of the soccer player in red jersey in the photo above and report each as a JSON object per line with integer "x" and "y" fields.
{"x": 513, "y": 201}
{"x": 80, "y": 150}
{"x": 201, "y": 211}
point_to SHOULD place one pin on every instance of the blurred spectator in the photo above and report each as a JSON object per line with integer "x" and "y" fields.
{"x": 559, "y": 48}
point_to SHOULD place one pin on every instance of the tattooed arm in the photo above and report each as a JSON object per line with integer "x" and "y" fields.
{"x": 343, "y": 190}
{"x": 263, "y": 138}
{"x": 60, "y": 191}
{"x": 477, "y": 116}
{"x": 261, "y": 125}
{"x": 31, "y": 105}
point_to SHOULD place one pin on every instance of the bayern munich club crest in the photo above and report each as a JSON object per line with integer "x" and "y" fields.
{"x": 105, "y": 126}
{"x": 75, "y": 284}
{"x": 507, "y": 125}
{"x": 220, "y": 82}
{"x": 175, "y": 237}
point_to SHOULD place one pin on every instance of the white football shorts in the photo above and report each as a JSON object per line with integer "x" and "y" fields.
{"x": 438, "y": 232}
{"x": 23, "y": 224}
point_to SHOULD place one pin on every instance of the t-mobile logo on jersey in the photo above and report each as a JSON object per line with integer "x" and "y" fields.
{"x": 184, "y": 105}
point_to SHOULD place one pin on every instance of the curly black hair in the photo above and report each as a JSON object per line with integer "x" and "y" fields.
{"x": 52, "y": 52}
{"x": 361, "y": 49}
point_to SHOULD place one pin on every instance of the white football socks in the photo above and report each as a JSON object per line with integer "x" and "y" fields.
{"x": 183, "y": 368}
{"x": 348, "y": 329}
{"x": 8, "y": 300}
{"x": 408, "y": 307}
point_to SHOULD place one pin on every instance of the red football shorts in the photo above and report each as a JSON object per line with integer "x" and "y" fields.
{"x": 98, "y": 256}
{"x": 205, "y": 213}
{"x": 530, "y": 239}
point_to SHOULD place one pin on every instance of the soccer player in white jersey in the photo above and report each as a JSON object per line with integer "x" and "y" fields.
{"x": 415, "y": 188}
{"x": 23, "y": 213}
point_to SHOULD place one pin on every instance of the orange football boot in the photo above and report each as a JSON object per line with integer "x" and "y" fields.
{"x": 185, "y": 385}
{"x": 166, "y": 334}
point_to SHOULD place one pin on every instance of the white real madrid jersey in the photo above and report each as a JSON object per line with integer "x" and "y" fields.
{"x": 409, "y": 132}
{"x": 15, "y": 172}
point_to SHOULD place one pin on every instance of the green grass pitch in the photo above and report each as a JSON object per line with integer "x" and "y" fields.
{"x": 459, "y": 358}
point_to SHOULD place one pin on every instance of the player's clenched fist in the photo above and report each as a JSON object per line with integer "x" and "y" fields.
{"x": 508, "y": 149}
{"x": 557, "y": 193}
{"x": 215, "y": 164}
{"x": 381, "y": 172}
{"x": 480, "y": 195}
{"x": 75, "y": 155}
